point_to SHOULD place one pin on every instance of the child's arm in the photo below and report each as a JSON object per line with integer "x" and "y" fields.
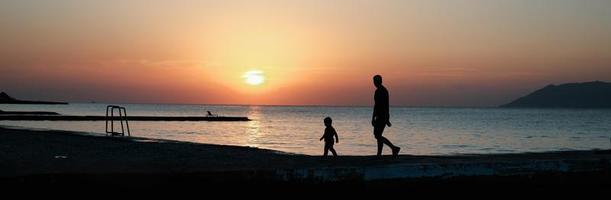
{"x": 323, "y": 136}
{"x": 336, "y": 137}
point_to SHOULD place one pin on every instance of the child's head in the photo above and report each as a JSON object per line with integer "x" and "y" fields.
{"x": 328, "y": 121}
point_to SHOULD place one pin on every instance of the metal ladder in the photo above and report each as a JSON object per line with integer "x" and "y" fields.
{"x": 110, "y": 109}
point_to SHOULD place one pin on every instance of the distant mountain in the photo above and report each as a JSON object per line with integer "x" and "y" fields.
{"x": 595, "y": 94}
{"x": 6, "y": 99}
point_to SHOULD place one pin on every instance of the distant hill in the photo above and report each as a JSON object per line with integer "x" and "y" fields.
{"x": 6, "y": 99}
{"x": 595, "y": 94}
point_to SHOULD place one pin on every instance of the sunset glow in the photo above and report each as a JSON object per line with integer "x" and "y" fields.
{"x": 436, "y": 53}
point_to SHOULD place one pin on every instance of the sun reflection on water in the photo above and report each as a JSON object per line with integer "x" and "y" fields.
{"x": 253, "y": 130}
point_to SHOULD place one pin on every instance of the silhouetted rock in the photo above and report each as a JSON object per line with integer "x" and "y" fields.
{"x": 6, "y": 99}
{"x": 596, "y": 94}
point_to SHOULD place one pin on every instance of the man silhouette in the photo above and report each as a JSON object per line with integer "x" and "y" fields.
{"x": 381, "y": 116}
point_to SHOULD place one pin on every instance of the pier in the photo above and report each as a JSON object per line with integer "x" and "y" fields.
{"x": 19, "y": 117}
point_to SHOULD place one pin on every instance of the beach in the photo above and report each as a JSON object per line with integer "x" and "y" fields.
{"x": 216, "y": 99}
{"x": 55, "y": 158}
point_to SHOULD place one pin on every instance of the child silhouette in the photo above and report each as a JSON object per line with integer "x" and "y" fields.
{"x": 328, "y": 137}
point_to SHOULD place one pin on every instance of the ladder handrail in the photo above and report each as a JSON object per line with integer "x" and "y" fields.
{"x": 126, "y": 122}
{"x": 122, "y": 117}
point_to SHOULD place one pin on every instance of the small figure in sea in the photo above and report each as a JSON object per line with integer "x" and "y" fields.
{"x": 210, "y": 114}
{"x": 328, "y": 137}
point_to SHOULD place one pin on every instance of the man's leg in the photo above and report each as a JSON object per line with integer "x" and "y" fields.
{"x": 377, "y": 132}
{"x": 387, "y": 142}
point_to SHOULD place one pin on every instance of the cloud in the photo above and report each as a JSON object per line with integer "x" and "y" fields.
{"x": 156, "y": 63}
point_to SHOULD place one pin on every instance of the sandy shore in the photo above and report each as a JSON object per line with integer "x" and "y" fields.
{"x": 70, "y": 158}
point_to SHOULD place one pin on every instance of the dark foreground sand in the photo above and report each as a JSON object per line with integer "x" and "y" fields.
{"x": 50, "y": 159}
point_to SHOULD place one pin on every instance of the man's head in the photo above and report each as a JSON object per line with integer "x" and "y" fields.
{"x": 328, "y": 121}
{"x": 377, "y": 80}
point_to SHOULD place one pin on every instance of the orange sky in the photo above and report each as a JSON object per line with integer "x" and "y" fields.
{"x": 431, "y": 53}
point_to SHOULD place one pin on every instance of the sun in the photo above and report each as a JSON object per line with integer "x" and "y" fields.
{"x": 254, "y": 77}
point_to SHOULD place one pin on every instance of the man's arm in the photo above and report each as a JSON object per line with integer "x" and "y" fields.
{"x": 387, "y": 100}
{"x": 373, "y": 116}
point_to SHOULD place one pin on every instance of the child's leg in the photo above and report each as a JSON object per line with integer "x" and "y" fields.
{"x": 325, "y": 151}
{"x": 328, "y": 146}
{"x": 333, "y": 151}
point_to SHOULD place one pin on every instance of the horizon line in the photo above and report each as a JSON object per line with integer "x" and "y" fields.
{"x": 285, "y": 105}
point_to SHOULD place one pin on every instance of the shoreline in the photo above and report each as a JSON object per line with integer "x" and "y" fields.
{"x": 43, "y": 156}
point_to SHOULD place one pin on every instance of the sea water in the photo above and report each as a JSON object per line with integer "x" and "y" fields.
{"x": 297, "y": 129}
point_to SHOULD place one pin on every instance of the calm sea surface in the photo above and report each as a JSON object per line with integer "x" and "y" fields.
{"x": 419, "y": 131}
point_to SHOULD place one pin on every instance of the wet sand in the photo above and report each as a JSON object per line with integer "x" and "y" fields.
{"x": 60, "y": 158}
